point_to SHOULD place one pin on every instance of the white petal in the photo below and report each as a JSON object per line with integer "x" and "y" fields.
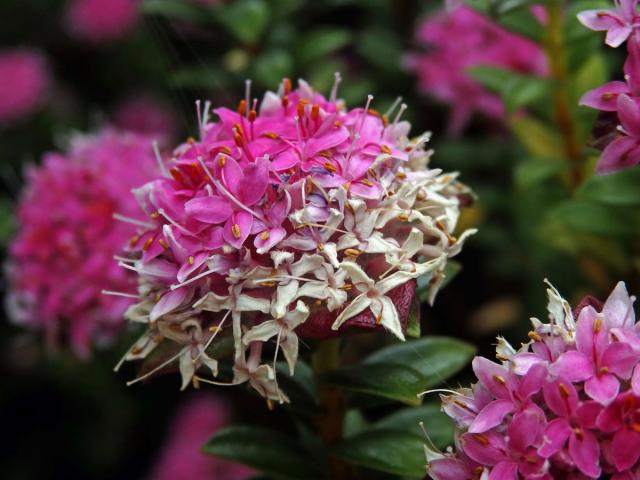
{"x": 297, "y": 316}
{"x": 308, "y": 263}
{"x": 357, "y": 305}
{"x": 331, "y": 253}
{"x": 213, "y": 303}
{"x": 187, "y": 368}
{"x": 247, "y": 303}
{"x": 279, "y": 257}
{"x": 359, "y": 278}
{"x": 376, "y": 243}
{"x": 392, "y": 281}
{"x": 262, "y": 332}
{"x": 386, "y": 315}
{"x": 285, "y": 294}
{"x": 289, "y": 347}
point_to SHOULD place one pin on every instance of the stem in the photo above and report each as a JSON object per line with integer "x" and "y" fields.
{"x": 332, "y": 405}
{"x": 557, "y": 58}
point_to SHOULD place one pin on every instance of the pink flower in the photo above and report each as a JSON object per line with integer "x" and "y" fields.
{"x": 101, "y": 21}
{"x": 459, "y": 39}
{"x": 618, "y": 23}
{"x": 25, "y": 81}
{"x": 147, "y": 116}
{"x": 181, "y": 456}
{"x": 293, "y": 217}
{"x": 62, "y": 256}
{"x": 562, "y": 407}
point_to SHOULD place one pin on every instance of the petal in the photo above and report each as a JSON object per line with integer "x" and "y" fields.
{"x": 504, "y": 471}
{"x": 525, "y": 428}
{"x": 332, "y": 138}
{"x": 491, "y": 415}
{"x": 618, "y": 309}
{"x": 602, "y": 388}
{"x": 620, "y": 359}
{"x": 587, "y": 413}
{"x": 187, "y": 368}
{"x": 605, "y": 97}
{"x": 357, "y": 305}
{"x": 358, "y": 277}
{"x": 572, "y": 366}
{"x": 618, "y": 155}
{"x": 590, "y": 338}
{"x": 285, "y": 294}
{"x": 611, "y": 418}
{"x": 561, "y": 397}
{"x": 385, "y": 314}
{"x": 392, "y": 281}
{"x": 629, "y": 115}
{"x": 625, "y": 448}
{"x": 168, "y": 302}
{"x": 262, "y": 332}
{"x": 585, "y": 453}
{"x": 635, "y": 381}
{"x": 447, "y": 469}
{"x": 255, "y": 178}
{"x": 495, "y": 378}
{"x": 484, "y": 448}
{"x": 289, "y": 347}
{"x": 238, "y": 228}
{"x": 274, "y": 236}
{"x": 555, "y": 436}
{"x": 208, "y": 209}
{"x": 617, "y": 35}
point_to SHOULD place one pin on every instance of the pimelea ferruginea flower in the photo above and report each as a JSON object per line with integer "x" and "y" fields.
{"x": 62, "y": 256}
{"x": 295, "y": 217}
{"x": 621, "y": 97}
{"x": 181, "y": 456}
{"x": 25, "y": 79}
{"x": 566, "y": 405}
{"x": 442, "y": 66}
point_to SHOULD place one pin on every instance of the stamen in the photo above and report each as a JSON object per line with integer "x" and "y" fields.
{"x": 247, "y": 91}
{"x": 119, "y": 294}
{"x": 393, "y": 106}
{"x": 156, "y": 152}
{"x": 192, "y": 279}
{"x": 159, "y": 367}
{"x": 337, "y": 78}
{"x": 133, "y": 221}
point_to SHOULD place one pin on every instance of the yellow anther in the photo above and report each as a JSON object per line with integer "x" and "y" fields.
{"x": 235, "y": 230}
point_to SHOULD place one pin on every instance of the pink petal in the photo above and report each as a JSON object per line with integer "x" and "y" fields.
{"x": 625, "y": 448}
{"x": 619, "y": 154}
{"x": 635, "y": 381}
{"x": 484, "y": 448}
{"x": 332, "y": 138}
{"x": 373, "y": 191}
{"x": 587, "y": 413}
{"x": 629, "y": 115}
{"x": 589, "y": 338}
{"x": 618, "y": 309}
{"x": 605, "y": 97}
{"x": 188, "y": 268}
{"x": 491, "y": 415}
{"x": 617, "y": 35}
{"x": 525, "y": 428}
{"x": 555, "y": 436}
{"x": 561, "y": 397}
{"x": 251, "y": 187}
{"x": 532, "y": 382}
{"x": 585, "y": 453}
{"x": 209, "y": 209}
{"x": 504, "y": 471}
{"x": 496, "y": 378}
{"x": 275, "y": 236}
{"x": 620, "y": 359}
{"x": 572, "y": 366}
{"x": 168, "y": 302}
{"x": 632, "y": 65}
{"x": 447, "y": 469}
{"x": 602, "y": 388}
{"x": 231, "y": 173}
{"x": 238, "y": 228}
{"x": 286, "y": 160}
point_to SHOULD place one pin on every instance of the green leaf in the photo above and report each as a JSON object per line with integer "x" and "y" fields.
{"x": 245, "y": 19}
{"x": 177, "y": 10}
{"x": 622, "y": 188}
{"x": 318, "y": 43}
{"x": 436, "y": 358}
{"x": 437, "y": 424}
{"x": 536, "y": 137}
{"x": 391, "y": 451}
{"x": 269, "y": 451}
{"x": 590, "y": 217}
{"x": 272, "y": 66}
{"x": 534, "y": 171}
{"x": 387, "y": 380}
{"x": 6, "y": 220}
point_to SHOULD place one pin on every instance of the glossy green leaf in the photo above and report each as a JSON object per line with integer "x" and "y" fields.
{"x": 533, "y": 172}
{"x": 391, "y": 451}
{"x": 268, "y": 451}
{"x": 321, "y": 42}
{"x": 245, "y": 19}
{"x": 622, "y": 188}
{"x": 436, "y": 358}
{"x": 437, "y": 424}
{"x": 590, "y": 217}
{"x": 387, "y": 380}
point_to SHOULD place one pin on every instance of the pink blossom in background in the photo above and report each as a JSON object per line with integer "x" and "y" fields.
{"x": 457, "y": 40}
{"x": 565, "y": 405}
{"x": 25, "y": 79}
{"x": 181, "y": 455}
{"x": 101, "y": 21}
{"x": 148, "y": 116}
{"x": 62, "y": 256}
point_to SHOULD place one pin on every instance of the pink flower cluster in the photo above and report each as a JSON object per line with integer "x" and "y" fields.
{"x": 25, "y": 80}
{"x": 101, "y": 21}
{"x": 621, "y": 97}
{"x": 148, "y": 116}
{"x": 195, "y": 422}
{"x": 294, "y": 217}
{"x": 566, "y": 405}
{"x": 62, "y": 256}
{"x": 442, "y": 67}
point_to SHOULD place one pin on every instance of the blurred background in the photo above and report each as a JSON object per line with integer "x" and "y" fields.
{"x": 507, "y": 121}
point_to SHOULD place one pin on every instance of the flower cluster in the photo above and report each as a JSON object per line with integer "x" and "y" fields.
{"x": 299, "y": 217}
{"x": 25, "y": 79}
{"x": 62, "y": 256}
{"x": 619, "y": 97}
{"x": 146, "y": 115}
{"x": 181, "y": 457}
{"x": 101, "y": 21}
{"x": 442, "y": 67}
{"x": 566, "y": 405}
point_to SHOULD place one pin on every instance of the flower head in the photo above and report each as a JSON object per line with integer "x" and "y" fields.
{"x": 25, "y": 79}
{"x": 62, "y": 256}
{"x": 565, "y": 405}
{"x": 101, "y": 21}
{"x": 457, "y": 40}
{"x": 293, "y": 217}
{"x": 619, "y": 23}
{"x": 147, "y": 116}
{"x": 180, "y": 457}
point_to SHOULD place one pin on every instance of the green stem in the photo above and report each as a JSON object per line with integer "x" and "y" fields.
{"x": 557, "y": 58}
{"x": 332, "y": 405}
